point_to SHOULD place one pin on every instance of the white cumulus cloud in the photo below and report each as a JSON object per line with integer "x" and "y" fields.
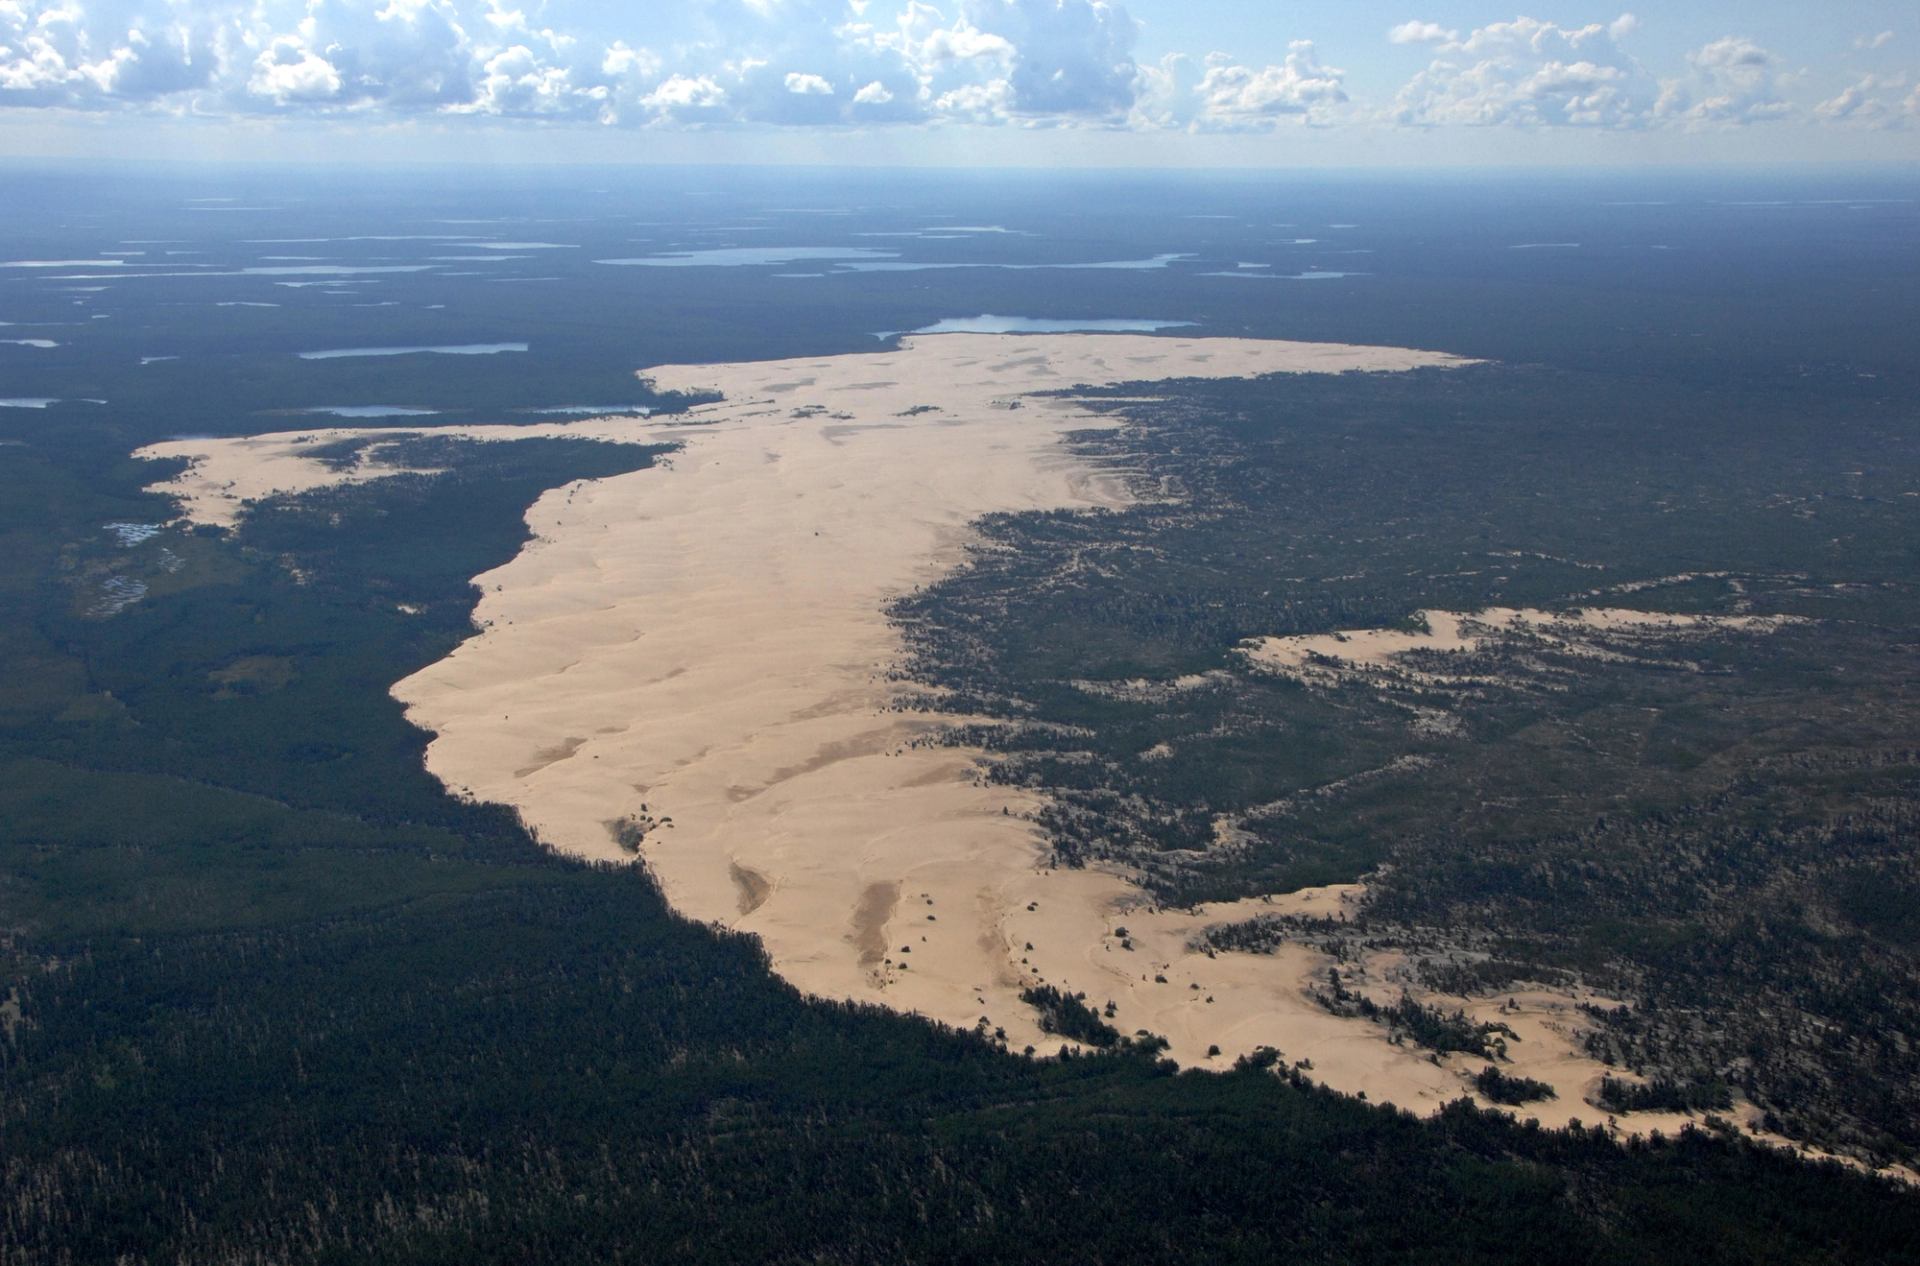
{"x": 682, "y": 92}
{"x": 522, "y": 82}
{"x": 1733, "y": 81}
{"x": 1232, "y": 95}
{"x": 1872, "y": 101}
{"x": 826, "y": 63}
{"x": 1069, "y": 57}
{"x": 1421, "y": 33}
{"x": 1532, "y": 73}
{"x": 288, "y": 72}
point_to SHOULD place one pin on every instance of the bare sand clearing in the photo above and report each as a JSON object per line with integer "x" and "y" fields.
{"x": 694, "y": 661}
{"x": 1572, "y": 631}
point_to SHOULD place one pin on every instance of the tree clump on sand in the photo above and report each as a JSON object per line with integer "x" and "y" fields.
{"x": 1407, "y": 1019}
{"x": 1499, "y": 1087}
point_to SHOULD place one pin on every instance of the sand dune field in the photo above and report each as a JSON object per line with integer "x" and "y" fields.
{"x": 692, "y": 664}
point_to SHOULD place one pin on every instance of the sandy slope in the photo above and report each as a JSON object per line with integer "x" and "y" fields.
{"x": 710, "y": 643}
{"x": 700, "y": 651}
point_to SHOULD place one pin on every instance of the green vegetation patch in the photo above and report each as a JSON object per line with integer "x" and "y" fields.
{"x": 1716, "y": 823}
{"x": 272, "y": 995}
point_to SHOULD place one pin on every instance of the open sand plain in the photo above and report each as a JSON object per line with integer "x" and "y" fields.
{"x": 1333, "y": 655}
{"x": 695, "y": 659}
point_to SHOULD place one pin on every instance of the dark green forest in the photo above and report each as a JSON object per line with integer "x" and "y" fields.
{"x": 1719, "y": 827}
{"x": 272, "y": 996}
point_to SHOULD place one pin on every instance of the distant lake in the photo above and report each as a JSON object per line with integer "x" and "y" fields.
{"x": 1247, "y": 274}
{"x": 987, "y": 323}
{"x": 720, "y": 267}
{"x": 324, "y": 270}
{"x": 1151, "y": 262}
{"x": 450, "y": 349}
{"x": 593, "y": 410}
{"x": 749, "y": 256}
{"x": 370, "y": 411}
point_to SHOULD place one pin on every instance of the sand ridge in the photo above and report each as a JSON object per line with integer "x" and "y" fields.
{"x": 1572, "y": 631}
{"x": 693, "y": 662}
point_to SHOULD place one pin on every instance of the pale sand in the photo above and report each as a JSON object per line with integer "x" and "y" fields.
{"x": 707, "y": 639}
{"x": 1455, "y": 631}
{"x": 715, "y": 637}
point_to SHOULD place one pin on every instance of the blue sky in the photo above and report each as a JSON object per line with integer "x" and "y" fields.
{"x": 1152, "y": 82}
